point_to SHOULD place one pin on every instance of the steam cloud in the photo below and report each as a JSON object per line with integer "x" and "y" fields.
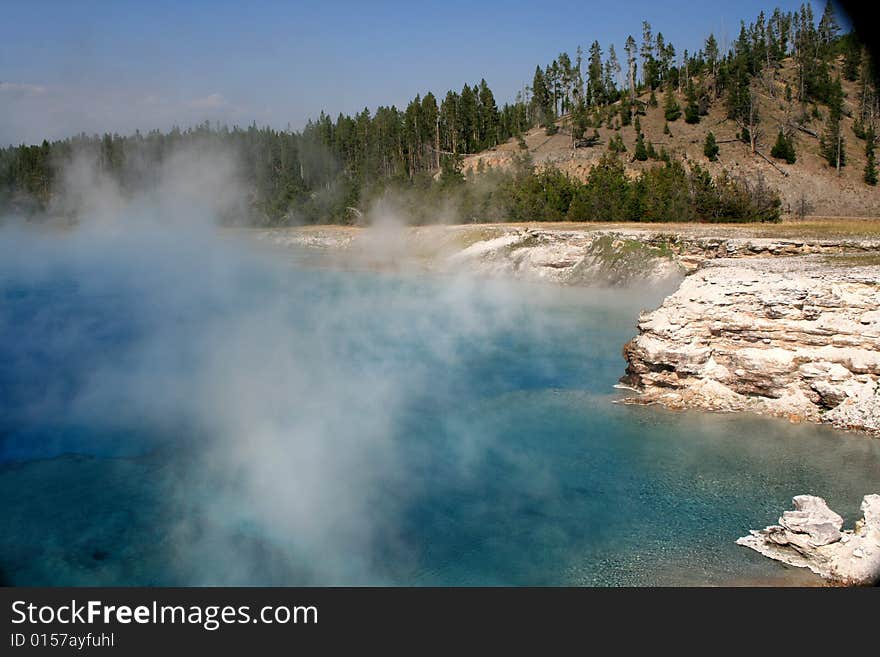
{"x": 285, "y": 396}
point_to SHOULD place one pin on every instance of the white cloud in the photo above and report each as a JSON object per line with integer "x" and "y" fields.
{"x": 22, "y": 88}
{"x": 212, "y": 101}
{"x": 152, "y": 100}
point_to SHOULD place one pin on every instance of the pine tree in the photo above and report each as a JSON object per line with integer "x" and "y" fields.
{"x": 616, "y": 145}
{"x": 710, "y": 147}
{"x": 449, "y": 122}
{"x": 742, "y": 105}
{"x": 625, "y": 113}
{"x": 468, "y": 120}
{"x": 665, "y": 58}
{"x": 779, "y": 27}
{"x": 692, "y": 109}
{"x": 580, "y": 120}
{"x": 596, "y": 91}
{"x": 612, "y": 74}
{"x": 551, "y": 75}
{"x": 647, "y": 53}
{"x": 870, "y": 165}
{"x": 743, "y": 50}
{"x": 812, "y": 50}
{"x": 832, "y": 140}
{"x": 867, "y": 94}
{"x": 630, "y": 48}
{"x": 541, "y": 99}
{"x": 671, "y": 109}
{"x": 783, "y": 149}
{"x": 565, "y": 82}
{"x": 430, "y": 136}
{"x": 640, "y": 153}
{"x": 711, "y": 52}
{"x": 828, "y": 27}
{"x": 758, "y": 33}
{"x": 488, "y": 113}
{"x": 852, "y": 58}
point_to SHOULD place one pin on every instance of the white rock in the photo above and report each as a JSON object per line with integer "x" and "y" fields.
{"x": 871, "y": 317}
{"x": 791, "y": 342}
{"x": 811, "y": 537}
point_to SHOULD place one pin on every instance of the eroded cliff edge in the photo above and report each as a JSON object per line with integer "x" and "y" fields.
{"x": 796, "y": 337}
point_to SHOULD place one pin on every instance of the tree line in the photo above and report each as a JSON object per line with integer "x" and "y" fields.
{"x": 665, "y": 193}
{"x": 333, "y": 169}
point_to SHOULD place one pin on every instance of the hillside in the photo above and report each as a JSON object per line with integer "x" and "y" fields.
{"x": 407, "y": 160}
{"x": 810, "y": 177}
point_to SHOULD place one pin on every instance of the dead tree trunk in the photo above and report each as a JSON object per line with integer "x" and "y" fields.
{"x": 812, "y": 133}
{"x": 437, "y": 143}
{"x": 773, "y": 164}
{"x": 753, "y": 136}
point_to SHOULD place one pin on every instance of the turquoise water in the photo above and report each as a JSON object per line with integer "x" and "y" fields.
{"x": 189, "y": 412}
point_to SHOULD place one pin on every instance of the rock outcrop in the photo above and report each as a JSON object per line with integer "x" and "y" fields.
{"x": 575, "y": 256}
{"x": 570, "y": 257}
{"x": 812, "y": 536}
{"x": 792, "y": 337}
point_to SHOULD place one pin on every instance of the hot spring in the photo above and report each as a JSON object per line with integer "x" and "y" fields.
{"x": 180, "y": 410}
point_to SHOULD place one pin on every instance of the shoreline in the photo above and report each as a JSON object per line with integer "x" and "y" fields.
{"x": 772, "y": 319}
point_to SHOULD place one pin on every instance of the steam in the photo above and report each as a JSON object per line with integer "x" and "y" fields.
{"x": 284, "y": 397}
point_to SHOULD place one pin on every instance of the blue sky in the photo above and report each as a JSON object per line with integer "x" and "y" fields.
{"x": 67, "y": 67}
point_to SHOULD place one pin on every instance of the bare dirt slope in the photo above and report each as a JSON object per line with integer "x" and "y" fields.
{"x": 810, "y": 177}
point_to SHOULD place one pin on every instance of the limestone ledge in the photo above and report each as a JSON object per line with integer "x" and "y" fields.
{"x": 792, "y": 337}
